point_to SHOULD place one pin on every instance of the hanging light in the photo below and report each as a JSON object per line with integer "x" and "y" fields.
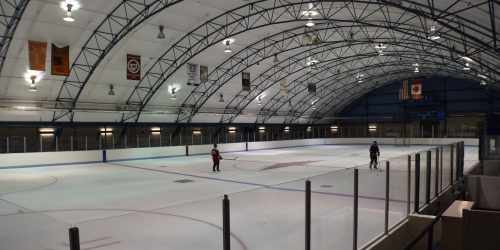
{"x": 433, "y": 33}
{"x": 228, "y": 49}
{"x": 482, "y": 82}
{"x": 467, "y": 66}
{"x": 416, "y": 70}
{"x": 172, "y": 96}
{"x": 221, "y": 98}
{"x": 289, "y": 103}
{"x": 310, "y": 22}
{"x": 259, "y": 100}
{"x": 314, "y": 107}
{"x": 68, "y": 17}
{"x": 161, "y": 35}
{"x": 358, "y": 77}
{"x": 380, "y": 49}
{"x": 276, "y": 60}
{"x": 33, "y": 88}
{"x": 111, "y": 92}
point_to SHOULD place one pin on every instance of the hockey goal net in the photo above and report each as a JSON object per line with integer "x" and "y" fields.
{"x": 402, "y": 142}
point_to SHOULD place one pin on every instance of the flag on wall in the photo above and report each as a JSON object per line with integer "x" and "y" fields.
{"x": 60, "y": 61}
{"x": 37, "y": 55}
{"x": 404, "y": 91}
{"x": 203, "y": 73}
{"x": 311, "y": 87}
{"x": 133, "y": 67}
{"x": 245, "y": 81}
{"x": 193, "y": 74}
{"x": 416, "y": 89}
{"x": 283, "y": 86}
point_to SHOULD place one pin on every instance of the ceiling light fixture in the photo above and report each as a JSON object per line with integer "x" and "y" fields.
{"x": 68, "y": 17}
{"x": 482, "y": 82}
{"x": 111, "y": 92}
{"x": 259, "y": 100}
{"x": 161, "y": 35}
{"x": 358, "y": 78}
{"x": 310, "y": 22}
{"x": 276, "y": 60}
{"x": 227, "y": 49}
{"x": 221, "y": 98}
{"x": 33, "y": 88}
{"x": 289, "y": 103}
{"x": 380, "y": 49}
{"x": 466, "y": 67}
{"x": 172, "y": 96}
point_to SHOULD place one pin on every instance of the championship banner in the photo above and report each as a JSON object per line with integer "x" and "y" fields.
{"x": 283, "y": 86}
{"x": 133, "y": 67}
{"x": 37, "y": 55}
{"x": 311, "y": 87}
{"x": 60, "y": 61}
{"x": 193, "y": 74}
{"x": 416, "y": 89}
{"x": 245, "y": 81}
{"x": 203, "y": 73}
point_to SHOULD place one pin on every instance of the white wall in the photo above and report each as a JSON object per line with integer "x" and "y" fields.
{"x": 49, "y": 158}
{"x": 413, "y": 141}
{"x": 138, "y": 153}
{"x": 284, "y": 144}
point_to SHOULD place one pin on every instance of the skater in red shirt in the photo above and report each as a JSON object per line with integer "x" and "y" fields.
{"x": 216, "y": 158}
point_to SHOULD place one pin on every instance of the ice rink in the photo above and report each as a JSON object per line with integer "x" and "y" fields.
{"x": 175, "y": 203}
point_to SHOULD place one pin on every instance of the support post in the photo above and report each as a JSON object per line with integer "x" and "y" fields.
{"x": 74, "y": 238}
{"x": 226, "y": 231}
{"x": 408, "y": 186}
{"x": 451, "y": 164}
{"x": 170, "y": 139}
{"x": 308, "y": 214}
{"x": 428, "y": 177}
{"x": 57, "y": 143}
{"x": 457, "y": 164}
{"x": 8, "y": 144}
{"x": 137, "y": 144}
{"x": 70, "y": 138}
{"x": 436, "y": 174}
{"x": 441, "y": 169}
{"x": 149, "y": 140}
{"x": 41, "y": 144}
{"x": 24, "y": 142}
{"x": 355, "y": 210}
{"x": 387, "y": 178}
{"x": 416, "y": 199}
{"x": 86, "y": 143}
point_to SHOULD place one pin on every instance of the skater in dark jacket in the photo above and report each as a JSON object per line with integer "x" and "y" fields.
{"x": 374, "y": 153}
{"x": 216, "y": 158}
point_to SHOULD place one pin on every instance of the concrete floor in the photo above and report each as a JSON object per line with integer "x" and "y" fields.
{"x": 175, "y": 203}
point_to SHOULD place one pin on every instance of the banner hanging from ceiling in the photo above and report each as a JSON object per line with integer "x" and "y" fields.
{"x": 283, "y": 86}
{"x": 311, "y": 87}
{"x": 416, "y": 89}
{"x": 60, "y": 61}
{"x": 37, "y": 55}
{"x": 193, "y": 74}
{"x": 245, "y": 81}
{"x": 133, "y": 67}
{"x": 203, "y": 73}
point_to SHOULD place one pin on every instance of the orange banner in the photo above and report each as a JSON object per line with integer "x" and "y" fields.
{"x": 60, "y": 61}
{"x": 37, "y": 54}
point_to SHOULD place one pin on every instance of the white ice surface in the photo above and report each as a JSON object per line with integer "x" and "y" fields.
{"x": 137, "y": 205}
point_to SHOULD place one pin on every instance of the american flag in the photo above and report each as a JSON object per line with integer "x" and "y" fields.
{"x": 403, "y": 91}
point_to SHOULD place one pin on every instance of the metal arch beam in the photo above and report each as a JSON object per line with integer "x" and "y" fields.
{"x": 233, "y": 112}
{"x": 295, "y": 65}
{"x": 254, "y": 54}
{"x": 263, "y": 49}
{"x": 234, "y": 22}
{"x": 11, "y": 12}
{"x": 123, "y": 18}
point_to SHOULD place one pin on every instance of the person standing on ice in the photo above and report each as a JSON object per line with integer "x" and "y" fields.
{"x": 374, "y": 153}
{"x": 216, "y": 158}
